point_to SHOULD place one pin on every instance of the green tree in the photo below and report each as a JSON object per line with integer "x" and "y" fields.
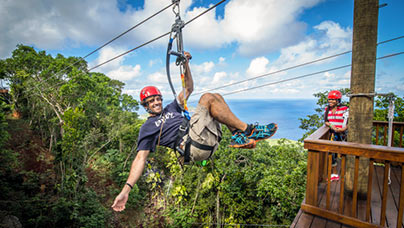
{"x": 261, "y": 186}
{"x": 81, "y": 116}
{"x": 382, "y": 108}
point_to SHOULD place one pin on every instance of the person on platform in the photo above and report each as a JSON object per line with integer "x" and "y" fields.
{"x": 336, "y": 118}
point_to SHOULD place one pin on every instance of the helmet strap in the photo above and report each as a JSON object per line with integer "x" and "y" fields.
{"x": 150, "y": 111}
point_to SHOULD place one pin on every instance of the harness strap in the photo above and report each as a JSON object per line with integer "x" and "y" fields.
{"x": 182, "y": 131}
{"x": 201, "y": 146}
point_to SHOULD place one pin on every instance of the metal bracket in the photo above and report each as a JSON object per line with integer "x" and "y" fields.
{"x": 391, "y": 95}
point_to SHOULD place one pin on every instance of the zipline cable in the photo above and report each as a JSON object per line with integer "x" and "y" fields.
{"x": 148, "y": 42}
{"x": 115, "y": 38}
{"x": 127, "y": 52}
{"x": 274, "y": 72}
{"x": 393, "y": 39}
{"x": 289, "y": 68}
{"x": 306, "y": 75}
{"x": 128, "y": 30}
{"x": 214, "y": 6}
{"x": 159, "y": 37}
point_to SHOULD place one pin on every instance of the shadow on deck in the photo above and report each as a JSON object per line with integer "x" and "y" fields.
{"x": 304, "y": 219}
{"x": 330, "y": 204}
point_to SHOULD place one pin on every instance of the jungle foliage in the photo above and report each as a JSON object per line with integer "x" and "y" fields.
{"x": 68, "y": 156}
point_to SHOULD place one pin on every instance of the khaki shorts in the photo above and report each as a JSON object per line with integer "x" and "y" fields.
{"x": 204, "y": 130}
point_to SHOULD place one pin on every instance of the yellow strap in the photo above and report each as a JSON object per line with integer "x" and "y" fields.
{"x": 183, "y": 89}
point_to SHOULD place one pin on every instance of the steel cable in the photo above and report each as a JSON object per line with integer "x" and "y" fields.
{"x": 306, "y": 75}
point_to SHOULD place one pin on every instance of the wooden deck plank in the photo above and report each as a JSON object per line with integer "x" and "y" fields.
{"x": 393, "y": 197}
{"x": 307, "y": 220}
{"x": 318, "y": 221}
{"x": 385, "y": 187}
{"x": 396, "y": 179}
{"x": 376, "y": 196}
{"x": 388, "y": 218}
{"x": 391, "y": 212}
{"x": 335, "y": 202}
{"x": 296, "y": 220}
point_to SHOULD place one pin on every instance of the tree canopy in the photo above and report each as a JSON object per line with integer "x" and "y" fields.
{"x": 70, "y": 154}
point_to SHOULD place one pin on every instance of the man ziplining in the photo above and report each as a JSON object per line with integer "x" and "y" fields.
{"x": 196, "y": 139}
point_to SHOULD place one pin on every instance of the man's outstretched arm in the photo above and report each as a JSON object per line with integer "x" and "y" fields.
{"x": 189, "y": 83}
{"x": 136, "y": 171}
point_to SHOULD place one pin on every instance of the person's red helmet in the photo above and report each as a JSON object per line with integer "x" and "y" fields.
{"x": 335, "y": 94}
{"x": 147, "y": 92}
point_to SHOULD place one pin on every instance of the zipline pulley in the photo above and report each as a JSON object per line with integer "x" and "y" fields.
{"x": 176, "y": 34}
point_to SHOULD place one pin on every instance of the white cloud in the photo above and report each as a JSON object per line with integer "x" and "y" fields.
{"x": 106, "y": 54}
{"x": 256, "y": 27}
{"x": 313, "y": 47}
{"x": 329, "y": 75}
{"x": 152, "y": 62}
{"x": 250, "y": 24}
{"x": 222, "y": 60}
{"x": 218, "y": 77}
{"x": 258, "y": 66}
{"x": 264, "y": 26}
{"x": 347, "y": 74}
{"x": 125, "y": 73}
{"x": 116, "y": 69}
{"x": 73, "y": 23}
{"x": 203, "y": 68}
{"x": 157, "y": 77}
{"x": 329, "y": 39}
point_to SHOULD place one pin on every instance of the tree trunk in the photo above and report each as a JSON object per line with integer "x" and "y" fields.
{"x": 218, "y": 208}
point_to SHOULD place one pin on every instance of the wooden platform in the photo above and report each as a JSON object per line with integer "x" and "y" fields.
{"x": 304, "y": 219}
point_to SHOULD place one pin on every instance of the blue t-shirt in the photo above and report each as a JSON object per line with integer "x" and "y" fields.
{"x": 150, "y": 130}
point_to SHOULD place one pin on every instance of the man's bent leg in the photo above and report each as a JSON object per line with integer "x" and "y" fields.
{"x": 244, "y": 136}
{"x": 220, "y": 111}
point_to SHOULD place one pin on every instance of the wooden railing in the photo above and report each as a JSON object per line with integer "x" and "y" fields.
{"x": 380, "y": 129}
{"x": 319, "y": 171}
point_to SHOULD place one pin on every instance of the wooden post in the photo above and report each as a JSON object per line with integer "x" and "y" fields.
{"x": 362, "y": 82}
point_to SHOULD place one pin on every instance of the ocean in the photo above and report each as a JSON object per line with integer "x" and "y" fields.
{"x": 284, "y": 112}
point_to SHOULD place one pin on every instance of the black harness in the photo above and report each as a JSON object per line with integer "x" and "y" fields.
{"x": 186, "y": 151}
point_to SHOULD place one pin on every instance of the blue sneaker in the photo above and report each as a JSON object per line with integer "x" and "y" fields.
{"x": 261, "y": 132}
{"x": 240, "y": 140}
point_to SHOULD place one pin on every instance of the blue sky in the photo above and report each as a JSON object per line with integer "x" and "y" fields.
{"x": 238, "y": 40}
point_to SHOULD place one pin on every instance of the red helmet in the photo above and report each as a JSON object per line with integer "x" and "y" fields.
{"x": 335, "y": 94}
{"x": 147, "y": 92}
